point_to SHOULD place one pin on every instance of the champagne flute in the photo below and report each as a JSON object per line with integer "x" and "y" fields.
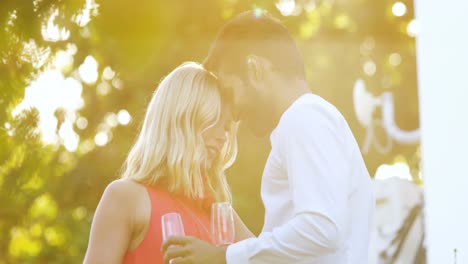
{"x": 171, "y": 226}
{"x": 222, "y": 224}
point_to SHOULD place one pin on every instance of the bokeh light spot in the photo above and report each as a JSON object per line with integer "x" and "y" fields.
{"x": 399, "y": 9}
{"x": 101, "y": 139}
{"x": 394, "y": 59}
{"x": 124, "y": 117}
{"x": 369, "y": 68}
{"x": 88, "y": 71}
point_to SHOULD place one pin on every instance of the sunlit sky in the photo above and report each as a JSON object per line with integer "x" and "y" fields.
{"x": 52, "y": 90}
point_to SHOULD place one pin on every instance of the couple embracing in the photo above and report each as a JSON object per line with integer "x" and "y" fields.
{"x": 315, "y": 187}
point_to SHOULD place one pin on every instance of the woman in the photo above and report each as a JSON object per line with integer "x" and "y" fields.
{"x": 177, "y": 164}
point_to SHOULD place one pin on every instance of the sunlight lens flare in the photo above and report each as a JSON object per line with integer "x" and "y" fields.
{"x": 399, "y": 9}
{"x": 101, "y": 139}
{"x": 258, "y": 12}
{"x": 34, "y": 54}
{"x": 395, "y": 59}
{"x": 108, "y": 73}
{"x": 369, "y": 68}
{"x": 63, "y": 60}
{"x": 111, "y": 119}
{"x": 88, "y": 71}
{"x": 84, "y": 17}
{"x": 398, "y": 170}
{"x": 124, "y": 117}
{"x": 69, "y": 137}
{"x": 286, "y": 7}
{"x": 49, "y": 92}
{"x": 412, "y": 29}
{"x": 52, "y": 32}
{"x": 82, "y": 123}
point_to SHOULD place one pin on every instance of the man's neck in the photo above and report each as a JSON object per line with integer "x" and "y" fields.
{"x": 287, "y": 96}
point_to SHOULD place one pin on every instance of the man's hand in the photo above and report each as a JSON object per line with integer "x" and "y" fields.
{"x": 189, "y": 250}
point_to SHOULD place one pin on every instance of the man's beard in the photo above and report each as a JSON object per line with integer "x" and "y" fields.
{"x": 261, "y": 120}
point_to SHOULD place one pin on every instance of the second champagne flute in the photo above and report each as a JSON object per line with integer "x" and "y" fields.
{"x": 222, "y": 224}
{"x": 171, "y": 226}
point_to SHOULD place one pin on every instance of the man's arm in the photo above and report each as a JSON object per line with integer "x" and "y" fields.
{"x": 313, "y": 153}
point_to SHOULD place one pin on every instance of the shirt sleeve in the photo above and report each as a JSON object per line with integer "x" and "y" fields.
{"x": 312, "y": 150}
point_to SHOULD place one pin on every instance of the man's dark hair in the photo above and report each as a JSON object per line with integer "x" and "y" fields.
{"x": 255, "y": 33}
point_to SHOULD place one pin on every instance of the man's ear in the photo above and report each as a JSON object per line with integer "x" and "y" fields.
{"x": 257, "y": 67}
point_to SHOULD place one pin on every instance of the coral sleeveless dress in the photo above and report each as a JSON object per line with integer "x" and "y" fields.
{"x": 195, "y": 218}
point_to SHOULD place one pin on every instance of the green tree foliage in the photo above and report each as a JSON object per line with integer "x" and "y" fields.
{"x": 50, "y": 191}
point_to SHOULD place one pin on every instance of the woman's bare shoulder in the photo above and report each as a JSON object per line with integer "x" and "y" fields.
{"x": 125, "y": 191}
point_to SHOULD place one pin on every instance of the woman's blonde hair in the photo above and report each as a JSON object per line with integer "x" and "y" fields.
{"x": 170, "y": 150}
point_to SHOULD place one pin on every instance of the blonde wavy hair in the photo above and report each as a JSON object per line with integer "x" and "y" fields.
{"x": 170, "y": 150}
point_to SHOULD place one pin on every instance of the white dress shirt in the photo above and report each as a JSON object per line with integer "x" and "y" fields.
{"x": 316, "y": 191}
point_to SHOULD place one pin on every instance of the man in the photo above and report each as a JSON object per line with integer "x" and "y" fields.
{"x": 315, "y": 186}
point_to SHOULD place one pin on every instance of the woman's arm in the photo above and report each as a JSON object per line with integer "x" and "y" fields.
{"x": 242, "y": 231}
{"x": 111, "y": 229}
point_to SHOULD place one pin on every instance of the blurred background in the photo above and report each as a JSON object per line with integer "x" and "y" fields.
{"x": 76, "y": 77}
